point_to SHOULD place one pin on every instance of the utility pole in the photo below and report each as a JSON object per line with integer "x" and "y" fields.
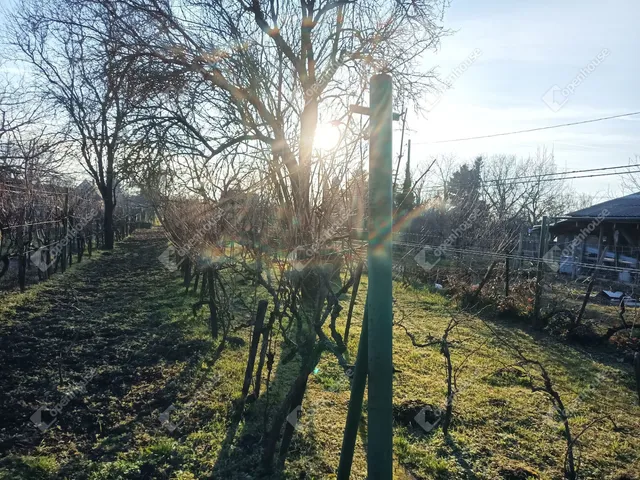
{"x": 395, "y": 175}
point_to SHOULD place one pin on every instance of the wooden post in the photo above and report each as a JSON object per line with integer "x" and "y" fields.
{"x": 616, "y": 254}
{"x": 80, "y": 247}
{"x": 47, "y": 256}
{"x": 56, "y": 262}
{"x": 637, "y": 265}
{"x": 65, "y": 231}
{"x": 506, "y": 276}
{"x": 600, "y": 237}
{"x": 542, "y": 249}
{"x": 21, "y": 260}
{"x": 587, "y": 296}
{"x": 583, "y": 247}
{"x": 127, "y": 226}
{"x": 253, "y": 350}
{"x": 520, "y": 242}
{"x": 27, "y": 258}
{"x": 636, "y": 368}
{"x": 186, "y": 265}
{"x": 213, "y": 310}
{"x": 354, "y": 295}
{"x": 70, "y": 239}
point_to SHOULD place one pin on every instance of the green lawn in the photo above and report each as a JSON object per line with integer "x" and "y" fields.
{"x": 128, "y": 317}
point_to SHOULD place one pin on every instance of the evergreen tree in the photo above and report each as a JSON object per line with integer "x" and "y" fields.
{"x": 464, "y": 186}
{"x": 405, "y": 200}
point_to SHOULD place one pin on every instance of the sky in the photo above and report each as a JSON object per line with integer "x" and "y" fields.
{"x": 505, "y": 57}
{"x": 524, "y": 51}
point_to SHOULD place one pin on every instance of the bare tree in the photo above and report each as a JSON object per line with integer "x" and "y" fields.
{"x": 631, "y": 181}
{"x": 272, "y": 72}
{"x": 500, "y": 187}
{"x": 74, "y": 54}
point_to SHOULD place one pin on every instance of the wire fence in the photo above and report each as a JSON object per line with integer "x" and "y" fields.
{"x": 44, "y": 227}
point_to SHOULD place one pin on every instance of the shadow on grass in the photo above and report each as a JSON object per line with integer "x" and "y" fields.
{"x": 241, "y": 450}
{"x": 115, "y": 315}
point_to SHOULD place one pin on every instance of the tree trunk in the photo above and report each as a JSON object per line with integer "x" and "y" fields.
{"x": 108, "y": 221}
{"x": 5, "y": 264}
{"x": 187, "y": 273}
{"x": 80, "y": 248}
{"x": 506, "y": 277}
{"x": 636, "y": 368}
{"x": 195, "y": 281}
{"x": 21, "y": 261}
{"x": 484, "y": 280}
{"x": 213, "y": 311}
{"x": 263, "y": 353}
{"x": 446, "y": 419}
{"x": 354, "y": 295}
{"x": 253, "y": 350}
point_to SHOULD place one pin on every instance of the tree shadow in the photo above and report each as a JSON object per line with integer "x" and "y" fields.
{"x": 111, "y": 316}
{"x": 241, "y": 450}
{"x": 458, "y": 453}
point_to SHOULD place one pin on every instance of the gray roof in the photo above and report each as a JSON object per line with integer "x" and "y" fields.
{"x": 623, "y": 207}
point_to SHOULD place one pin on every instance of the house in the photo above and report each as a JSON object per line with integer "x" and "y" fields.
{"x": 604, "y": 237}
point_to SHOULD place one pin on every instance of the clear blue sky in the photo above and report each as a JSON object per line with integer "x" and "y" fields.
{"x": 526, "y": 48}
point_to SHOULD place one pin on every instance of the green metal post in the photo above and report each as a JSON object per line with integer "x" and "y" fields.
{"x": 355, "y": 402}
{"x": 380, "y": 421}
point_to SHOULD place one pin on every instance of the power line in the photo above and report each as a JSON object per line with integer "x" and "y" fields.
{"x": 499, "y": 255}
{"x": 33, "y": 224}
{"x": 549, "y": 127}
{"x": 600, "y": 169}
{"x": 544, "y": 180}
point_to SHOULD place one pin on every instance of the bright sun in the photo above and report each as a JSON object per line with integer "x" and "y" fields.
{"x": 327, "y": 137}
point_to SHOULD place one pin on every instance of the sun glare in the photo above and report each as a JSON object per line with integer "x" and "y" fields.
{"x": 327, "y": 136}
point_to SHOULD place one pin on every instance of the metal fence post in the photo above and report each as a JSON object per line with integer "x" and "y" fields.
{"x": 380, "y": 432}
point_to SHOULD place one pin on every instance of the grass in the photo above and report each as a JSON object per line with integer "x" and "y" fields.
{"x": 129, "y": 318}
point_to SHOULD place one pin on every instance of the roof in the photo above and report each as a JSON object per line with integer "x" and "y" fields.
{"x": 623, "y": 207}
